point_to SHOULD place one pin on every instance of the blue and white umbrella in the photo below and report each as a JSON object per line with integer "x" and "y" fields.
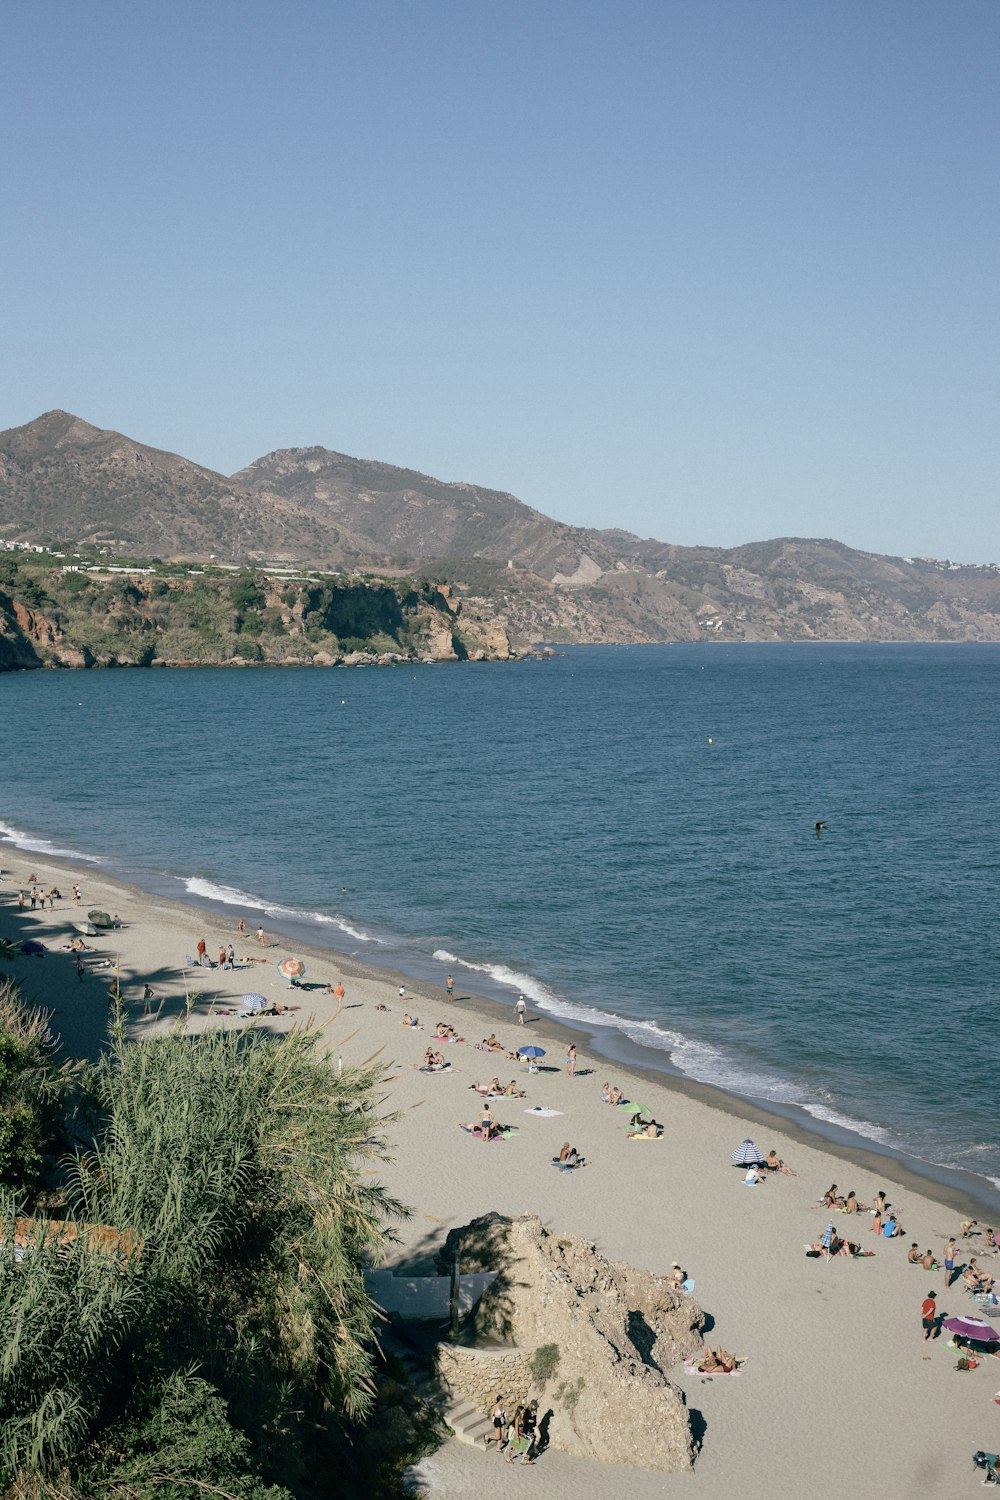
{"x": 255, "y": 1002}
{"x": 826, "y": 1238}
{"x": 746, "y": 1155}
{"x": 531, "y": 1051}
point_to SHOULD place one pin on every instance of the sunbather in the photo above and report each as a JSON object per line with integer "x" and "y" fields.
{"x": 650, "y": 1131}
{"x": 774, "y": 1163}
{"x": 716, "y": 1361}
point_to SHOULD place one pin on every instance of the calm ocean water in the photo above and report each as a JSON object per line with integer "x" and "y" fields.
{"x": 625, "y": 834}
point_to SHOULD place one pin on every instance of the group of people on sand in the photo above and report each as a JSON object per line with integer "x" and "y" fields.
{"x": 445, "y": 1032}
{"x": 569, "y": 1158}
{"x": 517, "y": 1437}
{"x": 434, "y": 1061}
{"x": 716, "y": 1361}
{"x": 496, "y": 1090}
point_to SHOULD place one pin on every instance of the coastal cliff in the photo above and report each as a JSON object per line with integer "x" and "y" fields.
{"x": 72, "y": 487}
{"x": 51, "y": 617}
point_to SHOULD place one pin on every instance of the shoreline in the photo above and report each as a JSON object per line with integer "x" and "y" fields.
{"x": 955, "y": 1187}
{"x": 832, "y": 1347}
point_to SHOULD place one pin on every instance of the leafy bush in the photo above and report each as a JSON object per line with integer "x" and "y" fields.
{"x": 544, "y": 1363}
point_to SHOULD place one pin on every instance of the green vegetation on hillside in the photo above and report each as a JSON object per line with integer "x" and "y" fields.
{"x": 132, "y": 612}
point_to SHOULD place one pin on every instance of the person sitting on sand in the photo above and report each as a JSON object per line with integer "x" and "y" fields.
{"x": 969, "y": 1228}
{"x": 606, "y": 1093}
{"x": 409, "y": 1020}
{"x": 913, "y": 1254}
{"x": 892, "y": 1229}
{"x": 881, "y": 1202}
{"x": 830, "y": 1197}
{"x": 675, "y": 1276}
{"x": 651, "y": 1131}
{"x": 754, "y": 1176}
{"x": 616, "y": 1096}
{"x": 774, "y": 1163}
{"x": 975, "y": 1279}
{"x": 851, "y": 1204}
{"x": 512, "y": 1091}
{"x": 876, "y": 1224}
{"x": 928, "y": 1262}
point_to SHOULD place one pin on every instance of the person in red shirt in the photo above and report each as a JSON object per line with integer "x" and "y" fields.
{"x": 928, "y": 1317}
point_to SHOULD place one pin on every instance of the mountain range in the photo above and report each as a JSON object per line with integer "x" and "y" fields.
{"x": 65, "y": 483}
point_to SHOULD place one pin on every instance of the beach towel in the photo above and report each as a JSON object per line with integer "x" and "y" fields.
{"x": 536, "y": 1109}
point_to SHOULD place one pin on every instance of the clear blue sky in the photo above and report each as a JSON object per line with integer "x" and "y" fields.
{"x": 711, "y": 270}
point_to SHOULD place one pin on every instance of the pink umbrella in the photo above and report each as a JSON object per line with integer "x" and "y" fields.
{"x": 973, "y": 1328}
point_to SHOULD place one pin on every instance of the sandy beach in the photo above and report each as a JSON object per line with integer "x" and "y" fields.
{"x": 837, "y": 1388}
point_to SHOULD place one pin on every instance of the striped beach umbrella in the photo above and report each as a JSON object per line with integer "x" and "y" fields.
{"x": 972, "y": 1328}
{"x": 291, "y": 968}
{"x": 253, "y": 1001}
{"x": 746, "y": 1155}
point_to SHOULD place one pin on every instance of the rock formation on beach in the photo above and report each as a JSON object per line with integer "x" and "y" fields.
{"x": 597, "y": 1338}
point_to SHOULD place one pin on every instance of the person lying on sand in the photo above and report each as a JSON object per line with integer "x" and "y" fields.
{"x": 651, "y": 1131}
{"x": 486, "y": 1089}
{"x": 380, "y": 1006}
{"x": 774, "y": 1163}
{"x": 675, "y": 1276}
{"x": 716, "y": 1361}
{"x": 484, "y": 1130}
{"x": 409, "y": 1020}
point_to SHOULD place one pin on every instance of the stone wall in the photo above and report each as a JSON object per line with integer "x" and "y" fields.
{"x": 480, "y": 1375}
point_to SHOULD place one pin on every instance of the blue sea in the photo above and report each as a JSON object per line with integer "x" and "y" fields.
{"x": 624, "y": 834}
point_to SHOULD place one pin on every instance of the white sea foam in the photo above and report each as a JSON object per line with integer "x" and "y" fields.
{"x": 42, "y": 846}
{"x": 231, "y": 895}
{"x": 696, "y": 1059}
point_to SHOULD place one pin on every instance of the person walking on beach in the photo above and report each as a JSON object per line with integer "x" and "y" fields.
{"x": 241, "y": 930}
{"x": 338, "y": 992}
{"x": 260, "y": 936}
{"x": 449, "y": 987}
{"x": 76, "y": 895}
{"x": 571, "y": 1061}
{"x": 402, "y": 993}
{"x": 928, "y": 1316}
{"x": 520, "y": 1009}
{"x": 222, "y": 956}
{"x": 20, "y": 901}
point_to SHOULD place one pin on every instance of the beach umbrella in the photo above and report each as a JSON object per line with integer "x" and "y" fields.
{"x": 531, "y": 1051}
{"x": 100, "y": 918}
{"x": 973, "y": 1328}
{"x": 291, "y": 968}
{"x": 826, "y": 1238}
{"x": 746, "y": 1155}
{"x": 254, "y": 1001}
{"x": 634, "y": 1109}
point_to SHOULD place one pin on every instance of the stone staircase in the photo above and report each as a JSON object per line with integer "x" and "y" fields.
{"x": 467, "y": 1422}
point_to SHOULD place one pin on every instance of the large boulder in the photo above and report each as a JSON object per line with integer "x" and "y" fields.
{"x": 602, "y": 1335}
